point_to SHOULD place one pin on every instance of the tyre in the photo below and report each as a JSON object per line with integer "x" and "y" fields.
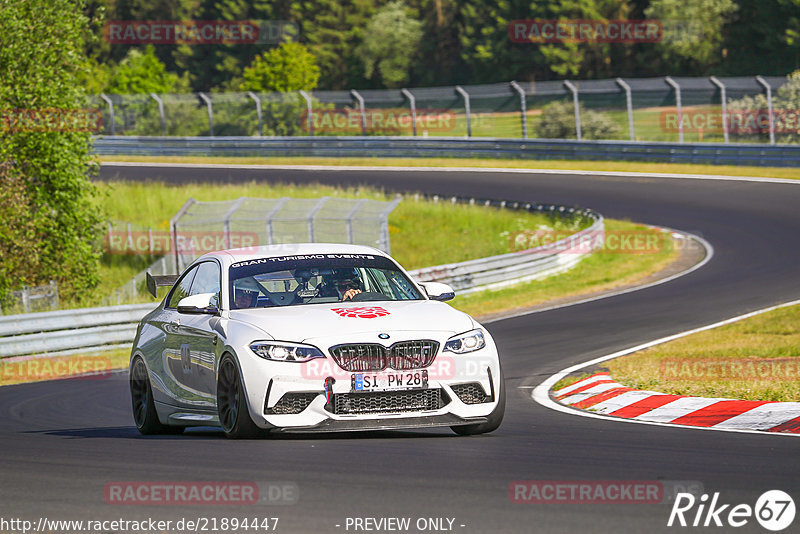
{"x": 144, "y": 408}
{"x": 494, "y": 419}
{"x": 234, "y": 416}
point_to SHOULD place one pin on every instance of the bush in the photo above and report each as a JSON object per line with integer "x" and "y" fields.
{"x": 749, "y": 115}
{"x": 48, "y": 222}
{"x": 558, "y": 122}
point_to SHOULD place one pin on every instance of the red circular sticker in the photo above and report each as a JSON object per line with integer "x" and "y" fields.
{"x": 362, "y": 312}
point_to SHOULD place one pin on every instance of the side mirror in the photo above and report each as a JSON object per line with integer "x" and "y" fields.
{"x": 438, "y": 291}
{"x": 199, "y": 303}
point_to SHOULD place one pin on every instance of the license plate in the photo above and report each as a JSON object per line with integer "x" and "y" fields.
{"x": 389, "y": 381}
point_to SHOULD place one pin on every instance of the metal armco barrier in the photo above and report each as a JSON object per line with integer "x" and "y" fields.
{"x": 703, "y": 153}
{"x": 68, "y": 331}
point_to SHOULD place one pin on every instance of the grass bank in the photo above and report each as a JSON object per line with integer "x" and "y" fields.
{"x": 754, "y": 359}
{"x": 422, "y": 232}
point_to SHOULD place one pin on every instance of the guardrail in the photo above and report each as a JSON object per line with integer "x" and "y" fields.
{"x": 706, "y": 153}
{"x": 93, "y": 329}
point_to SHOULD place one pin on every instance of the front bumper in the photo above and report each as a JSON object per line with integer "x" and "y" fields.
{"x": 461, "y": 390}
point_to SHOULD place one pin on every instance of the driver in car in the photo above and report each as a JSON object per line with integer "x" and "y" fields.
{"x": 341, "y": 283}
{"x": 244, "y": 298}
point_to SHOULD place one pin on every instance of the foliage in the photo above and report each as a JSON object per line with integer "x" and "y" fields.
{"x": 47, "y": 225}
{"x": 558, "y": 122}
{"x": 692, "y": 28}
{"x": 142, "y": 73}
{"x": 289, "y": 67}
{"x": 390, "y": 44}
{"x": 749, "y": 114}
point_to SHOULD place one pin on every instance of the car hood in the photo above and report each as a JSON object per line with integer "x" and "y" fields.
{"x": 302, "y": 322}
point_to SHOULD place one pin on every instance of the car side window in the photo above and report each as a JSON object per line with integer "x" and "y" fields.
{"x": 182, "y": 288}
{"x": 207, "y": 280}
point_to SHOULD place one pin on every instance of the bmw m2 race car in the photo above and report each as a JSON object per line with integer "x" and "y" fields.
{"x": 310, "y": 337}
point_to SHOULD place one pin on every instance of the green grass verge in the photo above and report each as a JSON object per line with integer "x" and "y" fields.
{"x": 754, "y": 359}
{"x": 59, "y": 367}
{"x": 601, "y": 271}
{"x": 618, "y": 166}
{"x": 422, "y": 233}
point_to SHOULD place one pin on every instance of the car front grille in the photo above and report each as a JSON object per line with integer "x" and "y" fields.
{"x": 415, "y": 400}
{"x": 291, "y": 403}
{"x": 471, "y": 393}
{"x": 401, "y": 356}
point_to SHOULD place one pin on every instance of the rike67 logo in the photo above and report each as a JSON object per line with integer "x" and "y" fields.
{"x": 362, "y": 312}
{"x": 774, "y": 510}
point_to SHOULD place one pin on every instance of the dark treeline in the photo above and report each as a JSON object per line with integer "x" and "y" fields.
{"x": 375, "y": 43}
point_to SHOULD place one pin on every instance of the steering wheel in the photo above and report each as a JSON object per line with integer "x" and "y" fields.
{"x": 365, "y": 296}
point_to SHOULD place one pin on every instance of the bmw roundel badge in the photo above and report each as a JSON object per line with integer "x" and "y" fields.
{"x": 383, "y": 336}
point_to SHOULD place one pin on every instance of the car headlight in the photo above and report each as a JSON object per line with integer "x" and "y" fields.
{"x": 466, "y": 342}
{"x": 285, "y": 352}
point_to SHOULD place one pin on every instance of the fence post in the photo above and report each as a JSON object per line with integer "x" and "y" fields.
{"x": 412, "y": 102}
{"x": 26, "y": 299}
{"x": 576, "y": 104}
{"x": 270, "y": 215}
{"x": 226, "y": 219}
{"x": 350, "y": 215}
{"x": 110, "y": 110}
{"x": 724, "y": 100}
{"x": 173, "y": 225}
{"x": 629, "y": 105}
{"x": 53, "y": 295}
{"x": 460, "y": 90}
{"x": 360, "y": 101}
{"x": 383, "y": 239}
{"x": 672, "y": 83}
{"x": 311, "y": 214}
{"x": 765, "y": 84}
{"x": 309, "y": 111}
{"x": 207, "y": 100}
{"x": 160, "y": 112}
{"x": 252, "y": 95}
{"x": 522, "y": 107}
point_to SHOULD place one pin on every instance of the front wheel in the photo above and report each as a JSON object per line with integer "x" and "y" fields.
{"x": 494, "y": 419}
{"x": 234, "y": 416}
{"x": 144, "y": 408}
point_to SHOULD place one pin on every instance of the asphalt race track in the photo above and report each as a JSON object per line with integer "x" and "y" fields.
{"x": 62, "y": 442}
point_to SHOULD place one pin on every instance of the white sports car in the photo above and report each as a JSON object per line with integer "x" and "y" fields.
{"x": 310, "y": 337}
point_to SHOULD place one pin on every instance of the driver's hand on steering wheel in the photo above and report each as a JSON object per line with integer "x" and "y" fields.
{"x": 350, "y": 293}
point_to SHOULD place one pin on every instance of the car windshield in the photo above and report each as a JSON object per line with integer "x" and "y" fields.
{"x": 317, "y": 279}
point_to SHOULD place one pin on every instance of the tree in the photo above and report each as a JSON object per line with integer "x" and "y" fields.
{"x": 47, "y": 222}
{"x": 692, "y": 29}
{"x": 289, "y": 67}
{"x": 332, "y": 29}
{"x": 142, "y": 72}
{"x": 390, "y": 45}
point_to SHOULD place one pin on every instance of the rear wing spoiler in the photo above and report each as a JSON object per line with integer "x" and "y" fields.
{"x": 154, "y": 282}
